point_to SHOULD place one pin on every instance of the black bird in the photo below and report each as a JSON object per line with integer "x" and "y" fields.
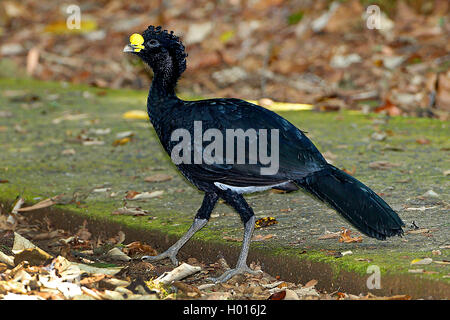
{"x": 299, "y": 163}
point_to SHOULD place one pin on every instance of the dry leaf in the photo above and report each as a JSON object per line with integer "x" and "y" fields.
{"x": 423, "y": 141}
{"x": 32, "y": 60}
{"x": 422, "y": 261}
{"x": 70, "y": 117}
{"x": 134, "y": 195}
{"x": 125, "y": 134}
{"x": 60, "y": 27}
{"x": 418, "y": 231}
{"x": 135, "y": 114}
{"x": 352, "y": 172}
{"x": 310, "y": 283}
{"x": 131, "y": 211}
{"x": 396, "y": 297}
{"x": 83, "y": 233}
{"x": 331, "y": 235}
{"x": 118, "y": 239}
{"x": 92, "y": 142}
{"x": 180, "y": 272}
{"x": 160, "y": 177}
{"x": 40, "y": 205}
{"x": 87, "y": 281}
{"x": 415, "y": 270}
{"x": 280, "y": 295}
{"x": 3, "y": 267}
{"x": 262, "y": 238}
{"x": 382, "y": 165}
{"x": 48, "y": 235}
{"x": 228, "y": 238}
{"x": 189, "y": 290}
{"x": 389, "y": 108}
{"x": 445, "y": 262}
{"x": 34, "y": 256}
{"x": 131, "y": 194}
{"x": 17, "y": 206}
{"x": 117, "y": 254}
{"x": 5, "y": 259}
{"x": 341, "y": 295}
{"x": 329, "y": 156}
{"x": 265, "y": 222}
{"x": 21, "y": 243}
{"x": 346, "y": 238}
{"x": 68, "y": 152}
{"x": 136, "y": 247}
{"x": 121, "y": 142}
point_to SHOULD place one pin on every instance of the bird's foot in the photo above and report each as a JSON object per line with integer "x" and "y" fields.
{"x": 169, "y": 253}
{"x": 227, "y": 275}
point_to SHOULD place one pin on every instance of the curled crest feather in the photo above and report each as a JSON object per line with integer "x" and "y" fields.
{"x": 171, "y": 42}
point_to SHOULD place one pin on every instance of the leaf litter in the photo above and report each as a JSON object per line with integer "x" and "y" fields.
{"x": 403, "y": 70}
{"x": 58, "y": 265}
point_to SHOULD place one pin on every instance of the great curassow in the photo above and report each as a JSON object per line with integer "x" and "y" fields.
{"x": 298, "y": 162}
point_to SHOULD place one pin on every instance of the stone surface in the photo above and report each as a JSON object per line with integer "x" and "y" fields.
{"x": 45, "y": 119}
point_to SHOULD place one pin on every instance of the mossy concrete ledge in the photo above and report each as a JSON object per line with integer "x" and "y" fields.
{"x": 333, "y": 274}
{"x": 42, "y": 155}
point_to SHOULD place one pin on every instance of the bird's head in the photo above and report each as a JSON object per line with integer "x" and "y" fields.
{"x": 160, "y": 49}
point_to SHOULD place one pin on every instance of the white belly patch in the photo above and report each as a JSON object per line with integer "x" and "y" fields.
{"x": 249, "y": 189}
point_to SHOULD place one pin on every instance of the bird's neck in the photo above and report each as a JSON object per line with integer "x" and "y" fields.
{"x": 164, "y": 81}
{"x": 163, "y": 86}
{"x": 162, "y": 95}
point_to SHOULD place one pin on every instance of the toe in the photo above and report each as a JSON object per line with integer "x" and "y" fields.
{"x": 254, "y": 272}
{"x": 152, "y": 258}
{"x": 227, "y": 275}
{"x": 174, "y": 260}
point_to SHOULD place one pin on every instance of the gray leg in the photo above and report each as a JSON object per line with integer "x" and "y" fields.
{"x": 248, "y": 232}
{"x": 238, "y": 202}
{"x": 201, "y": 219}
{"x": 173, "y": 250}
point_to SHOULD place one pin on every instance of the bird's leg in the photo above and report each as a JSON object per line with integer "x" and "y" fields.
{"x": 201, "y": 219}
{"x": 173, "y": 250}
{"x": 238, "y": 202}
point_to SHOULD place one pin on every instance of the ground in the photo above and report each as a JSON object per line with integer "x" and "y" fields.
{"x": 52, "y": 145}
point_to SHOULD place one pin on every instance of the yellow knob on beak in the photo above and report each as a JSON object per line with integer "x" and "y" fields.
{"x": 136, "y": 41}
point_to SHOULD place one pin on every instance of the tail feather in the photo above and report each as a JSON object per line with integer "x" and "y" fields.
{"x": 357, "y": 203}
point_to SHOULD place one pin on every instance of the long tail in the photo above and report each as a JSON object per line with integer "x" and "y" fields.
{"x": 362, "y": 207}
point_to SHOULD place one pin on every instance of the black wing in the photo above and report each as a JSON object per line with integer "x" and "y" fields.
{"x": 298, "y": 157}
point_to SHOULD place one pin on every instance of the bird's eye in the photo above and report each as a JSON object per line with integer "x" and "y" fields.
{"x": 153, "y": 42}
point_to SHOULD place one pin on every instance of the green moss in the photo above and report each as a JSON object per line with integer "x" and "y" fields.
{"x": 296, "y": 17}
{"x": 34, "y": 165}
{"x": 103, "y": 265}
{"x": 392, "y": 263}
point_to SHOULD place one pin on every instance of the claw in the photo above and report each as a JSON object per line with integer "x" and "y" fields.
{"x": 172, "y": 255}
{"x": 227, "y": 275}
{"x": 174, "y": 260}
